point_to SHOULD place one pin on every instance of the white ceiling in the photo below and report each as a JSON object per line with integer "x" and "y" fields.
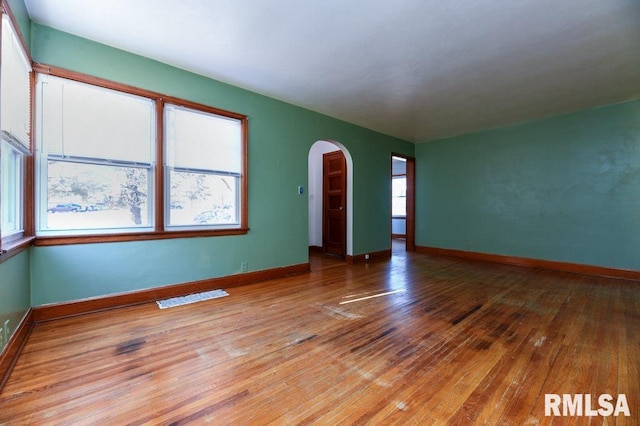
{"x": 415, "y": 69}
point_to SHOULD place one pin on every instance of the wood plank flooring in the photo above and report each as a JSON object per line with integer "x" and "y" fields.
{"x": 415, "y": 340}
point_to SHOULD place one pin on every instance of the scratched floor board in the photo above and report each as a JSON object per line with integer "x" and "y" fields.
{"x": 415, "y": 340}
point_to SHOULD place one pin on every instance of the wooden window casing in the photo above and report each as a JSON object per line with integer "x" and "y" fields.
{"x": 159, "y": 227}
{"x": 14, "y": 244}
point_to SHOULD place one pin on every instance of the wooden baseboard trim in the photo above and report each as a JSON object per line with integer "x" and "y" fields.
{"x": 68, "y": 309}
{"x": 377, "y": 255}
{"x": 316, "y": 249}
{"x": 14, "y": 347}
{"x": 534, "y": 263}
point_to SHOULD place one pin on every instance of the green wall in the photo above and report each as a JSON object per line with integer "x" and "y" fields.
{"x": 280, "y": 136}
{"x": 565, "y": 188}
{"x": 15, "y": 291}
{"x": 19, "y": 11}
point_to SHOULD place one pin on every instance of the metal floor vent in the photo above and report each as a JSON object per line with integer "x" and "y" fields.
{"x": 191, "y": 298}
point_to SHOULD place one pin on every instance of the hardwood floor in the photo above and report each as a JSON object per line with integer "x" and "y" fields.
{"x": 415, "y": 340}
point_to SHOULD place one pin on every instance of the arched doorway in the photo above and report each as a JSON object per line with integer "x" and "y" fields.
{"x": 315, "y": 194}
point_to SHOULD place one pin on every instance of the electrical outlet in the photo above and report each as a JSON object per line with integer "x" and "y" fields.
{"x": 244, "y": 267}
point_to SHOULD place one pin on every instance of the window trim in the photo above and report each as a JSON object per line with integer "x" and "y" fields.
{"x": 160, "y": 231}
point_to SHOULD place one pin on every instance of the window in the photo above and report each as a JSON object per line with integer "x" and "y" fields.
{"x": 95, "y": 158}
{"x": 399, "y": 196}
{"x": 12, "y": 179}
{"x": 204, "y": 168}
{"x": 398, "y": 187}
{"x": 15, "y": 127}
{"x": 103, "y": 168}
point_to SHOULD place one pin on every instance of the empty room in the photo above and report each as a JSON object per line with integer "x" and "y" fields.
{"x": 320, "y": 212}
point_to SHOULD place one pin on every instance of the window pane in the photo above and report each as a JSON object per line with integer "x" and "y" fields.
{"x": 399, "y": 196}
{"x": 11, "y": 200}
{"x": 93, "y": 196}
{"x": 399, "y": 187}
{"x": 203, "y": 199}
{"x": 399, "y": 207}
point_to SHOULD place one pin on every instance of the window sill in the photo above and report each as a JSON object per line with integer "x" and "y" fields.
{"x": 14, "y": 247}
{"x": 142, "y": 236}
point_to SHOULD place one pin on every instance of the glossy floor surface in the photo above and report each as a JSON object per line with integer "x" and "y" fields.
{"x": 415, "y": 340}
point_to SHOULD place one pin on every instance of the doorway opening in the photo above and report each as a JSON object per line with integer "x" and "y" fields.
{"x": 330, "y": 206}
{"x": 402, "y": 202}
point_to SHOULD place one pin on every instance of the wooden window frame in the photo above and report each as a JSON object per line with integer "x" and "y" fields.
{"x": 13, "y": 247}
{"x": 159, "y": 231}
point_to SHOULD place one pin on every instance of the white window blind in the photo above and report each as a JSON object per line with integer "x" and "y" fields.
{"x": 15, "y": 89}
{"x": 90, "y": 122}
{"x": 196, "y": 140}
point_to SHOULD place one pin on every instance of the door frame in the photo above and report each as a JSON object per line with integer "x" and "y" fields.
{"x": 410, "y": 239}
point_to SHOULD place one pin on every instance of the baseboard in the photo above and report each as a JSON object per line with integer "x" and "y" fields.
{"x": 12, "y": 350}
{"x": 359, "y": 258}
{"x": 534, "y": 263}
{"x": 79, "y": 307}
{"x": 373, "y": 256}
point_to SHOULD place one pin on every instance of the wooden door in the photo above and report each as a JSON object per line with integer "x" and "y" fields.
{"x": 334, "y": 203}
